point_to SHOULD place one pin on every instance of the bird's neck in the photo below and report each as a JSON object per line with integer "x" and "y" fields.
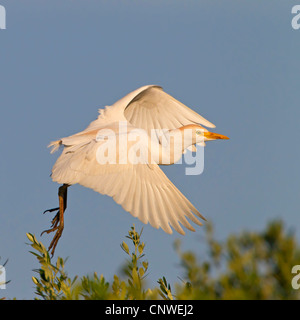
{"x": 173, "y": 143}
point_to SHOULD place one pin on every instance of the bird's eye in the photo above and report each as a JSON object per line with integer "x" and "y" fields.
{"x": 198, "y": 132}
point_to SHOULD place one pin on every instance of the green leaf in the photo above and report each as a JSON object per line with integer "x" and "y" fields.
{"x": 125, "y": 247}
{"x": 135, "y": 276}
{"x": 145, "y": 265}
{"x": 141, "y": 272}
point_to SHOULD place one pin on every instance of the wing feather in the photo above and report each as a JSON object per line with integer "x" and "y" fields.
{"x": 144, "y": 191}
{"x": 163, "y": 111}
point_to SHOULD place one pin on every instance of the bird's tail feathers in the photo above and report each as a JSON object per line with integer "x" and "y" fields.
{"x": 54, "y": 145}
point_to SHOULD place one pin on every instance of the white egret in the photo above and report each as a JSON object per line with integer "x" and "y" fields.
{"x": 140, "y": 187}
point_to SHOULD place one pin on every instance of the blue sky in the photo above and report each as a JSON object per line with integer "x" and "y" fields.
{"x": 235, "y": 63}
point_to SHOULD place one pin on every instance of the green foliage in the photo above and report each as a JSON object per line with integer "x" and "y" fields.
{"x": 246, "y": 266}
{"x": 53, "y": 282}
{"x": 165, "y": 289}
{"x": 251, "y": 265}
{"x": 136, "y": 267}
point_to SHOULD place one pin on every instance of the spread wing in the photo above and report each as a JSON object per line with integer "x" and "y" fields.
{"x": 141, "y": 189}
{"x": 152, "y": 108}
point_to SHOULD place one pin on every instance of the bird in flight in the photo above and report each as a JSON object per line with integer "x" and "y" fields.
{"x": 119, "y": 155}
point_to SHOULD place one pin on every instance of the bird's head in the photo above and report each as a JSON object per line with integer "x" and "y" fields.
{"x": 200, "y": 134}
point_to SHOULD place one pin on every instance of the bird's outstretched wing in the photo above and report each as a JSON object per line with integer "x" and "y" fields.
{"x": 152, "y": 108}
{"x": 141, "y": 189}
{"x": 146, "y": 108}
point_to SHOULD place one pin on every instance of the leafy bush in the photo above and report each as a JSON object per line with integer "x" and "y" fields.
{"x": 52, "y": 282}
{"x": 246, "y": 266}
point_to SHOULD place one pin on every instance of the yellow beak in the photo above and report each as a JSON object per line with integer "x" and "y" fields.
{"x": 214, "y": 136}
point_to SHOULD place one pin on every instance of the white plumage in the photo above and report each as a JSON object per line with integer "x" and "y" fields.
{"x": 141, "y": 189}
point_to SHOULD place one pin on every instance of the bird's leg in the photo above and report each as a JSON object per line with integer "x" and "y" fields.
{"x": 58, "y": 220}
